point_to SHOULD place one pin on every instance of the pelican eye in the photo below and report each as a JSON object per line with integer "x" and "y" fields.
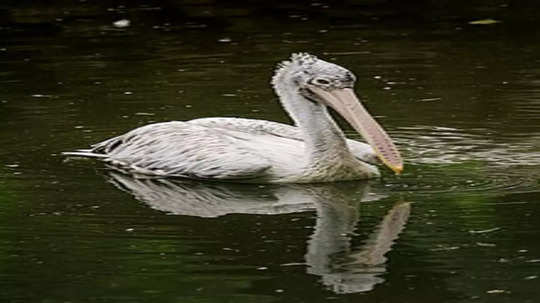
{"x": 322, "y": 81}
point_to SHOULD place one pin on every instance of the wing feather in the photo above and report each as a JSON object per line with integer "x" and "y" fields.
{"x": 359, "y": 149}
{"x": 252, "y": 126}
{"x": 184, "y": 150}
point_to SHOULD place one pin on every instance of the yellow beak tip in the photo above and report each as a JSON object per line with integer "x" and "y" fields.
{"x": 397, "y": 169}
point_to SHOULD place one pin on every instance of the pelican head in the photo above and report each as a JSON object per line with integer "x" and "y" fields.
{"x": 307, "y": 70}
{"x": 305, "y": 78}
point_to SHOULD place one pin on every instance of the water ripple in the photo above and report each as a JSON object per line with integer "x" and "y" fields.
{"x": 452, "y": 160}
{"x": 444, "y": 145}
{"x": 460, "y": 180}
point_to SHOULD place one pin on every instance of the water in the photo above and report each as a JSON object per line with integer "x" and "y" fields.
{"x": 461, "y": 100}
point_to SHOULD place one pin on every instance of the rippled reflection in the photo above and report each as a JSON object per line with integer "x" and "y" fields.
{"x": 445, "y": 145}
{"x": 342, "y": 266}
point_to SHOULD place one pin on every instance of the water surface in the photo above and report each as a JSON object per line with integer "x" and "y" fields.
{"x": 462, "y": 101}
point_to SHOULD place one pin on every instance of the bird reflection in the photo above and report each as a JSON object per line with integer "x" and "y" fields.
{"x": 343, "y": 267}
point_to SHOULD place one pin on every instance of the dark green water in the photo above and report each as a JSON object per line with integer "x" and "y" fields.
{"x": 461, "y": 100}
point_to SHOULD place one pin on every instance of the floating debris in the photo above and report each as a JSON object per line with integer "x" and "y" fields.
{"x": 122, "y": 23}
{"x": 496, "y": 291}
{"x": 486, "y": 244}
{"x": 293, "y": 264}
{"x": 484, "y": 22}
{"x": 225, "y": 40}
{"x": 484, "y": 231}
{"x": 144, "y": 114}
{"x": 430, "y": 99}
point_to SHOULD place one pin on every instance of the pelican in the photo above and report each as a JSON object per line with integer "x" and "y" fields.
{"x": 258, "y": 151}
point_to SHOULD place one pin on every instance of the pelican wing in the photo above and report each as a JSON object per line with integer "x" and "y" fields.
{"x": 360, "y": 150}
{"x": 180, "y": 149}
{"x": 252, "y": 126}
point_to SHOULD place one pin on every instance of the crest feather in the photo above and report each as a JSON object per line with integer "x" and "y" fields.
{"x": 303, "y": 58}
{"x": 296, "y": 58}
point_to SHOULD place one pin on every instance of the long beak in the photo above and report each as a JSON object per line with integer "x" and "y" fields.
{"x": 345, "y": 102}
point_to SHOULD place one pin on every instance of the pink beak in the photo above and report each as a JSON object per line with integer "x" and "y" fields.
{"x": 345, "y": 102}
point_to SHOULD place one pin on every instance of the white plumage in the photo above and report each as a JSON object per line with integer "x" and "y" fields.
{"x": 247, "y": 150}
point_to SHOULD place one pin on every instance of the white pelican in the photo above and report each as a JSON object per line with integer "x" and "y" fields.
{"x": 258, "y": 151}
